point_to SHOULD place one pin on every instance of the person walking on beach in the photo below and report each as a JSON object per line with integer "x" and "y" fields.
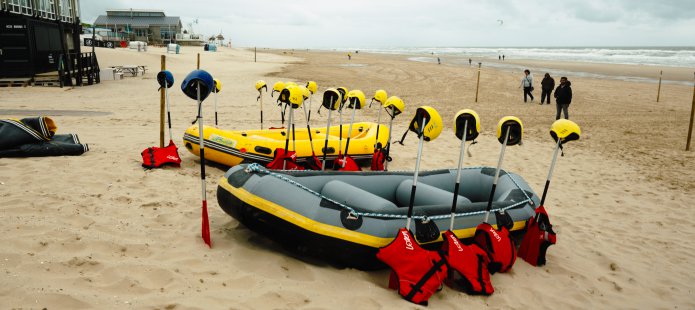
{"x": 439, "y": 61}
{"x": 527, "y": 84}
{"x": 469, "y": 61}
{"x": 349, "y": 56}
{"x": 502, "y": 56}
{"x": 563, "y": 97}
{"x": 547, "y": 86}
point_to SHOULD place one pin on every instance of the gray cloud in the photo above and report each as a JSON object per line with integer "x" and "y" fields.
{"x": 383, "y": 23}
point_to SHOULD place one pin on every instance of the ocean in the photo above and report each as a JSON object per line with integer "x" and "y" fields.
{"x": 646, "y": 56}
{"x": 654, "y": 56}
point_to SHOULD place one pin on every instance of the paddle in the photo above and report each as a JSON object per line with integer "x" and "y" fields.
{"x": 198, "y": 85}
{"x": 314, "y": 163}
{"x": 539, "y": 232}
{"x": 260, "y": 85}
{"x": 216, "y": 89}
{"x": 278, "y": 87}
{"x": 416, "y": 273}
{"x": 356, "y": 100}
{"x": 496, "y": 242}
{"x": 397, "y": 106}
{"x": 467, "y": 263}
{"x": 294, "y": 98}
{"x": 331, "y": 101}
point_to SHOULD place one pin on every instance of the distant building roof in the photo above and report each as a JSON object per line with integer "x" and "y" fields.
{"x": 138, "y": 21}
{"x": 135, "y": 12}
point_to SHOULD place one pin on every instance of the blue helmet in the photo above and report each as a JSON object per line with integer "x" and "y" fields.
{"x": 165, "y": 77}
{"x": 195, "y": 79}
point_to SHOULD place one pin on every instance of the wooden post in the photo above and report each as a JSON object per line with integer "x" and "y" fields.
{"x": 254, "y": 54}
{"x": 692, "y": 115}
{"x": 197, "y": 64}
{"x": 658, "y": 90}
{"x": 161, "y": 106}
{"x": 477, "y": 85}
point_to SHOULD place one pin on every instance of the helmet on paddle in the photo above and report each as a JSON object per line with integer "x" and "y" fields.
{"x": 395, "y": 105}
{"x": 356, "y": 99}
{"x": 565, "y": 130}
{"x": 515, "y": 128}
{"x": 472, "y": 129}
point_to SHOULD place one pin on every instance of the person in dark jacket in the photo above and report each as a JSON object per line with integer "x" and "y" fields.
{"x": 547, "y": 86}
{"x": 563, "y": 97}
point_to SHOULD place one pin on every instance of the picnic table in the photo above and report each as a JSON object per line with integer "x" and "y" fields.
{"x": 133, "y": 70}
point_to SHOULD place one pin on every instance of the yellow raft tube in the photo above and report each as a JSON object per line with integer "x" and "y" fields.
{"x": 235, "y": 147}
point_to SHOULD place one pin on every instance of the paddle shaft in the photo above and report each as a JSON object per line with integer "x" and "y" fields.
{"x": 260, "y": 95}
{"x": 308, "y": 130}
{"x": 205, "y": 230}
{"x": 287, "y": 142}
{"x": 215, "y": 106}
{"x": 458, "y": 175}
{"x": 340, "y": 132}
{"x": 415, "y": 175}
{"x": 550, "y": 172}
{"x": 294, "y": 138}
{"x": 497, "y": 175}
{"x": 166, "y": 94}
{"x": 388, "y": 144}
{"x": 325, "y": 144}
{"x": 352, "y": 120}
{"x": 378, "y": 123}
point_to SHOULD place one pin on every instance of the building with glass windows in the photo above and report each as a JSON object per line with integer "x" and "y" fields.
{"x": 152, "y": 26}
{"x": 36, "y": 34}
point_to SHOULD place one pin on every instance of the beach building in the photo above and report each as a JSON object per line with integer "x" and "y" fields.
{"x": 151, "y": 26}
{"x": 39, "y": 36}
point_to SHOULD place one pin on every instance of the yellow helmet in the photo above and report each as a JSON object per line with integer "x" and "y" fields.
{"x": 516, "y": 130}
{"x": 394, "y": 102}
{"x": 332, "y": 99}
{"x": 277, "y": 87}
{"x": 292, "y": 95}
{"x": 473, "y": 128}
{"x": 356, "y": 97}
{"x": 343, "y": 91}
{"x": 261, "y": 84}
{"x": 311, "y": 85}
{"x": 218, "y": 86}
{"x": 433, "y": 126}
{"x": 289, "y": 83}
{"x": 565, "y": 130}
{"x": 305, "y": 92}
{"x": 380, "y": 96}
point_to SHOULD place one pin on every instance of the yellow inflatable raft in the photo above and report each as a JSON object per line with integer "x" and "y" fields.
{"x": 235, "y": 147}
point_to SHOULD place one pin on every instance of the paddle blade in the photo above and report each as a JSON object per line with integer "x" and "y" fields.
{"x": 206, "y": 225}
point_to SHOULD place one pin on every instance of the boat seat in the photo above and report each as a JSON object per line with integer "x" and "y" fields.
{"x": 356, "y": 197}
{"x": 426, "y": 195}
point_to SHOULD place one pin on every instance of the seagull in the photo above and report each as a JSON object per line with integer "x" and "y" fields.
{"x": 500, "y": 21}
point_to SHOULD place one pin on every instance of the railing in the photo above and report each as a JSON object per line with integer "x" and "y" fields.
{"x": 82, "y": 67}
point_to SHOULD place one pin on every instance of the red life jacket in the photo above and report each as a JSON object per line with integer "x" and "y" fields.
{"x": 539, "y": 236}
{"x": 155, "y": 157}
{"x": 499, "y": 246}
{"x": 280, "y": 157}
{"x": 346, "y": 163}
{"x": 380, "y": 156}
{"x": 415, "y": 272}
{"x": 468, "y": 266}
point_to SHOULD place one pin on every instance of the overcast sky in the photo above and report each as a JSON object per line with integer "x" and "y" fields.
{"x": 428, "y": 23}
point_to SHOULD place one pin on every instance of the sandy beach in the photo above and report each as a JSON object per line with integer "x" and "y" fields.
{"x": 99, "y": 231}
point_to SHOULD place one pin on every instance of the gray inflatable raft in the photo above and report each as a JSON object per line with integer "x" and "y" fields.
{"x": 345, "y": 217}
